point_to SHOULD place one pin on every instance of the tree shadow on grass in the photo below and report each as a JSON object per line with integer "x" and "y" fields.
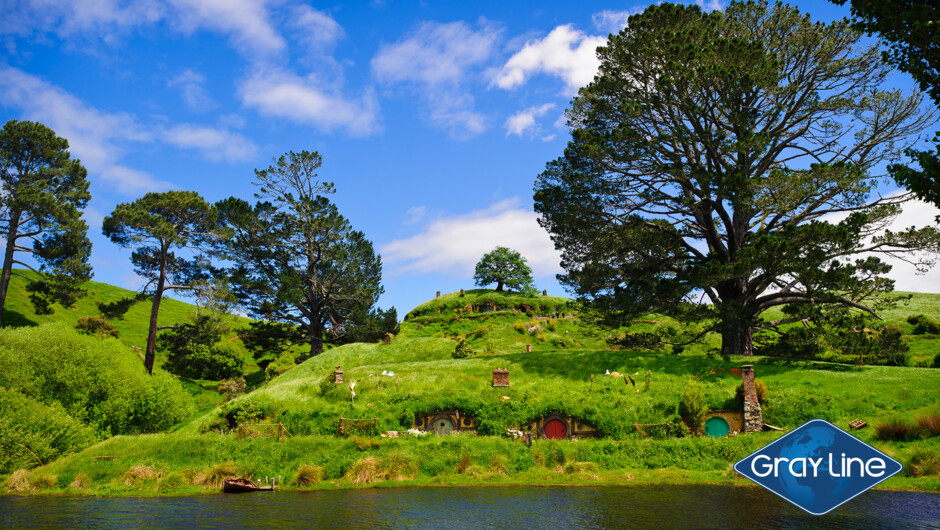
{"x": 581, "y": 364}
{"x": 16, "y": 319}
{"x": 119, "y": 308}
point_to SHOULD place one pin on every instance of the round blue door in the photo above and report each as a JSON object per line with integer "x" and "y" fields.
{"x": 717, "y": 427}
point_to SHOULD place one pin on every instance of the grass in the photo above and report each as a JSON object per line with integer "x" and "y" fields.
{"x": 564, "y": 373}
{"x": 181, "y": 464}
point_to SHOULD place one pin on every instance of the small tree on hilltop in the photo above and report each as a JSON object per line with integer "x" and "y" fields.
{"x": 504, "y": 267}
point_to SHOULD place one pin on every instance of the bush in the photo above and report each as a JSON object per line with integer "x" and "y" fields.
{"x": 280, "y": 365}
{"x": 694, "y": 407}
{"x": 221, "y": 361}
{"x": 232, "y": 388}
{"x": 759, "y": 387}
{"x": 97, "y": 326}
{"x": 31, "y": 431}
{"x": 194, "y": 350}
{"x": 99, "y": 382}
{"x": 463, "y": 350}
{"x": 924, "y": 325}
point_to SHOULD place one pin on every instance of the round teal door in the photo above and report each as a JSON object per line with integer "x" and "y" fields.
{"x": 717, "y": 427}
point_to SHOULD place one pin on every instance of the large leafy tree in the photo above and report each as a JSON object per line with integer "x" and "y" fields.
{"x": 298, "y": 263}
{"x": 43, "y": 192}
{"x": 159, "y": 226}
{"x": 503, "y": 266}
{"x": 911, "y": 29}
{"x": 732, "y": 156}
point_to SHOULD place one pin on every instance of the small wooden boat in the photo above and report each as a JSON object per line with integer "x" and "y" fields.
{"x": 242, "y": 485}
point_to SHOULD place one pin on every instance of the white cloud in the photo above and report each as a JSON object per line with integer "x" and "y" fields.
{"x": 416, "y": 214}
{"x": 315, "y": 29}
{"x": 438, "y": 61}
{"x": 103, "y": 19}
{"x": 523, "y": 122}
{"x": 611, "y": 21}
{"x": 245, "y": 21}
{"x": 190, "y": 85}
{"x": 94, "y": 136}
{"x": 285, "y": 95}
{"x": 454, "y": 244}
{"x": 565, "y": 53}
{"x": 916, "y": 213}
{"x": 214, "y": 144}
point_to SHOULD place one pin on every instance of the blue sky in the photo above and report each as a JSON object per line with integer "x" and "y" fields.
{"x": 433, "y": 119}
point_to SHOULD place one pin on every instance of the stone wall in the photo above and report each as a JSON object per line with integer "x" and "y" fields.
{"x": 753, "y": 418}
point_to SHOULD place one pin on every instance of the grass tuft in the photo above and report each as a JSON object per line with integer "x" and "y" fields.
{"x": 924, "y": 463}
{"x": 19, "y": 481}
{"x": 137, "y": 474}
{"x": 896, "y": 430}
{"x": 308, "y": 475}
{"x": 215, "y": 475}
{"x": 929, "y": 424}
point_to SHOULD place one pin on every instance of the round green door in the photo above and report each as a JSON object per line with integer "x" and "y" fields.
{"x": 443, "y": 425}
{"x": 717, "y": 427}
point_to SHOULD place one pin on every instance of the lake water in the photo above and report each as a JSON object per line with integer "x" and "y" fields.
{"x": 662, "y": 507}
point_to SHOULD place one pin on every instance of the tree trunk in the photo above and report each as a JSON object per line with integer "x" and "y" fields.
{"x": 151, "y": 353}
{"x": 737, "y": 341}
{"x": 499, "y": 286}
{"x": 8, "y": 261}
{"x": 316, "y": 340}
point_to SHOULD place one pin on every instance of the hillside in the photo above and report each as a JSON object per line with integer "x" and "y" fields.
{"x": 124, "y": 309}
{"x": 565, "y": 373}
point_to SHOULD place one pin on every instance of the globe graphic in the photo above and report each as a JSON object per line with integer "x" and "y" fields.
{"x": 812, "y": 491}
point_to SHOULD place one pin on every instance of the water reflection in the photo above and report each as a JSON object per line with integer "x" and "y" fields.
{"x": 658, "y": 507}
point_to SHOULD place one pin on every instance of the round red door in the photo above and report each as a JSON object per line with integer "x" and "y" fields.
{"x": 555, "y": 429}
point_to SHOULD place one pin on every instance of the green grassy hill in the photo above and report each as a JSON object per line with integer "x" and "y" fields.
{"x": 565, "y": 373}
{"x": 124, "y": 309}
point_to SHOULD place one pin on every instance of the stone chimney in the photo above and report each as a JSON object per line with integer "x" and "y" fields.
{"x": 500, "y": 377}
{"x": 753, "y": 418}
{"x": 461, "y": 292}
{"x": 528, "y": 348}
{"x": 387, "y": 339}
{"x": 437, "y": 295}
{"x": 337, "y": 376}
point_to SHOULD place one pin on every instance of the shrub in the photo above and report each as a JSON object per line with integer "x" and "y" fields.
{"x": 896, "y": 430}
{"x": 936, "y": 361}
{"x": 232, "y": 388}
{"x": 463, "y": 350}
{"x": 100, "y": 383}
{"x": 221, "y": 361}
{"x": 282, "y": 364}
{"x": 97, "y": 326}
{"x": 924, "y": 325}
{"x": 194, "y": 351}
{"x": 520, "y": 327}
{"x": 759, "y": 387}
{"x": 694, "y": 406}
{"x": 31, "y": 431}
